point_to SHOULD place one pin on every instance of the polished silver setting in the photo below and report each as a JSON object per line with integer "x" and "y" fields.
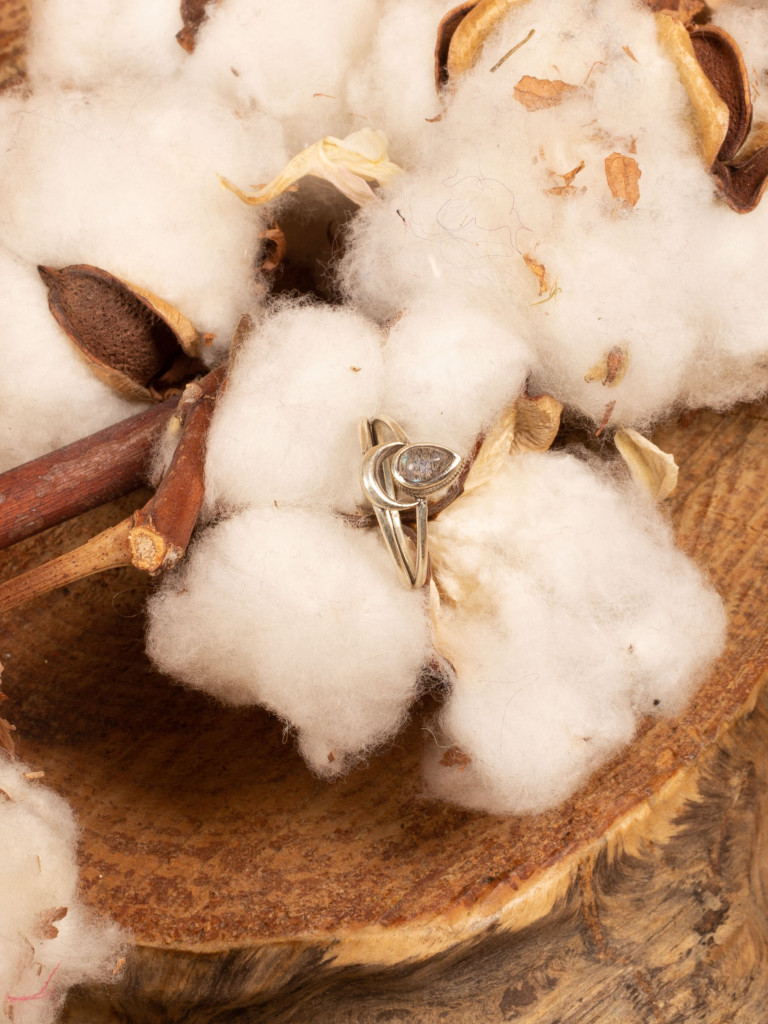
{"x": 397, "y": 476}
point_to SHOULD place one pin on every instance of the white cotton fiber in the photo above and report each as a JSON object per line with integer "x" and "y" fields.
{"x": 511, "y": 207}
{"x": 127, "y": 180}
{"x": 578, "y": 615}
{"x": 303, "y": 614}
{"x": 288, "y": 59}
{"x": 49, "y": 395}
{"x": 449, "y": 370}
{"x": 86, "y": 45}
{"x": 286, "y": 427}
{"x": 48, "y": 940}
{"x": 393, "y": 85}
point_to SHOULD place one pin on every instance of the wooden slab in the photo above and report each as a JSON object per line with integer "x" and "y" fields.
{"x": 248, "y": 883}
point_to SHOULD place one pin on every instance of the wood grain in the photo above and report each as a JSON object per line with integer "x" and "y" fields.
{"x": 248, "y": 883}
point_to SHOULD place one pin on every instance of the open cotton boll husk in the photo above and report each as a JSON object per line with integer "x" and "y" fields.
{"x": 46, "y": 935}
{"x": 568, "y": 613}
{"x": 289, "y": 59}
{"x": 286, "y": 427}
{"x": 49, "y": 395}
{"x": 591, "y": 213}
{"x": 303, "y": 614}
{"x": 747, "y": 22}
{"x": 84, "y": 45}
{"x": 127, "y": 180}
{"x": 450, "y": 369}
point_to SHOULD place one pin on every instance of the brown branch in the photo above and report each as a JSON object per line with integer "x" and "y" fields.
{"x": 156, "y": 536}
{"x": 78, "y": 477}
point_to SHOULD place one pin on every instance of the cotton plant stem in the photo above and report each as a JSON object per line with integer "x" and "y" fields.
{"x": 107, "y": 550}
{"x": 155, "y": 537}
{"x": 78, "y": 477}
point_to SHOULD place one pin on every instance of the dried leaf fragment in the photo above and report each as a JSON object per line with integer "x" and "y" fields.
{"x": 623, "y": 176}
{"x": 45, "y": 922}
{"x": 454, "y": 757}
{"x": 130, "y": 338}
{"x": 348, "y": 164}
{"x": 566, "y": 188}
{"x": 539, "y": 272}
{"x": 193, "y": 14}
{"x": 611, "y": 369}
{"x": 541, "y": 93}
{"x": 709, "y": 110}
{"x": 652, "y": 469}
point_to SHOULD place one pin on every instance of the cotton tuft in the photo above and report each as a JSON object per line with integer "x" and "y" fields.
{"x": 48, "y": 940}
{"x": 286, "y": 427}
{"x": 578, "y": 617}
{"x": 303, "y": 614}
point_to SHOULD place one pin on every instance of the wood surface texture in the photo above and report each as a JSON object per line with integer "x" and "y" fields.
{"x": 255, "y": 892}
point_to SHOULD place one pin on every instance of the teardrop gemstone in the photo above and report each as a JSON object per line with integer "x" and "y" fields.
{"x": 425, "y": 467}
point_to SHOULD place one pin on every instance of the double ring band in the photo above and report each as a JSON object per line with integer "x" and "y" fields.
{"x": 397, "y": 476}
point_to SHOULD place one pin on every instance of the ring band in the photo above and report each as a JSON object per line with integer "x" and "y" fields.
{"x": 396, "y": 476}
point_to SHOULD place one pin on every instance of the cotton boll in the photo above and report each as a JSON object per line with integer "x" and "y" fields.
{"x": 449, "y": 370}
{"x": 512, "y": 208}
{"x": 289, "y": 60}
{"x": 49, "y": 395}
{"x": 573, "y": 614}
{"x": 286, "y": 427}
{"x": 128, "y": 180}
{"x": 303, "y": 614}
{"x": 87, "y": 45}
{"x": 47, "y": 937}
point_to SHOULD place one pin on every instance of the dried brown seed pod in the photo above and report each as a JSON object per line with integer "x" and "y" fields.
{"x": 135, "y": 342}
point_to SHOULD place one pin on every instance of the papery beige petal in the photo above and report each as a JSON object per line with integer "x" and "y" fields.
{"x": 527, "y": 425}
{"x": 651, "y": 468}
{"x": 538, "y": 421}
{"x": 710, "y": 112}
{"x": 347, "y": 163}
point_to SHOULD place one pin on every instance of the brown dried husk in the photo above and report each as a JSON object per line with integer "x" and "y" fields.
{"x": 133, "y": 341}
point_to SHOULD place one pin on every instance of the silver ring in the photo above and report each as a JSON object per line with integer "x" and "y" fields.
{"x": 397, "y": 476}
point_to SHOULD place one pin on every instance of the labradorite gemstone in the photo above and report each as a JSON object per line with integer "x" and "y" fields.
{"x": 423, "y": 463}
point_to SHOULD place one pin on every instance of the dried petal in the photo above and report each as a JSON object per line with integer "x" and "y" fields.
{"x": 651, "y": 468}
{"x": 193, "y": 14}
{"x": 710, "y": 112}
{"x": 611, "y": 369}
{"x": 445, "y": 33}
{"x": 722, "y": 63}
{"x": 348, "y": 164}
{"x": 128, "y": 337}
{"x": 623, "y": 176}
{"x": 540, "y": 93}
{"x": 538, "y": 421}
{"x": 528, "y": 424}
